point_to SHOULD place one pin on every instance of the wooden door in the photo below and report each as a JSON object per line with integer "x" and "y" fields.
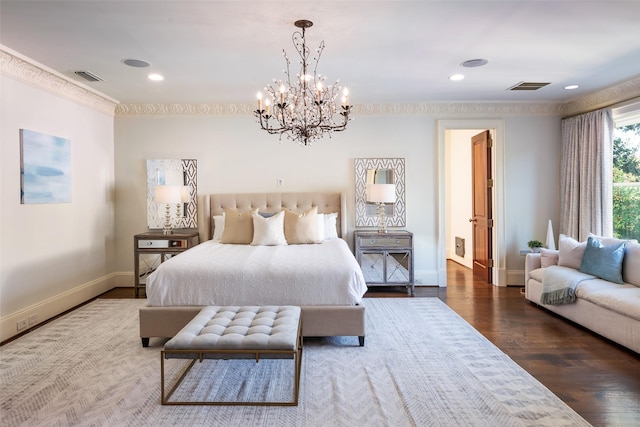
{"x": 482, "y": 220}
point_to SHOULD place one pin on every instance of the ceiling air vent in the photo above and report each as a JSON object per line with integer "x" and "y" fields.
{"x": 88, "y": 75}
{"x": 528, "y": 86}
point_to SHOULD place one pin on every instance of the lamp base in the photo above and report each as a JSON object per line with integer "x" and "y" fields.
{"x": 167, "y": 221}
{"x": 382, "y": 218}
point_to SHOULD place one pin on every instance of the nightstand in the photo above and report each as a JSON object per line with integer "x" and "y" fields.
{"x": 152, "y": 248}
{"x": 386, "y": 259}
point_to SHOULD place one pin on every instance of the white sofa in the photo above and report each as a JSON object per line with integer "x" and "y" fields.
{"x": 607, "y": 308}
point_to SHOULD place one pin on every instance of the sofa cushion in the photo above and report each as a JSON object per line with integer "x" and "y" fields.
{"x": 623, "y": 299}
{"x": 604, "y": 261}
{"x": 570, "y": 252}
{"x": 631, "y": 264}
{"x": 537, "y": 274}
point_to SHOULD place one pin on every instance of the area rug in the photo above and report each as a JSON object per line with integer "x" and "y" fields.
{"x": 422, "y": 365}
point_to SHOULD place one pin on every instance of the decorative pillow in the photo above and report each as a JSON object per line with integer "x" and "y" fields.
{"x": 330, "y": 231}
{"x": 321, "y": 236}
{"x": 266, "y": 214}
{"x": 548, "y": 257}
{"x": 218, "y": 226}
{"x": 268, "y": 231}
{"x": 631, "y": 263}
{"x": 603, "y": 261}
{"x": 301, "y": 228}
{"x": 238, "y": 227}
{"x": 570, "y": 252}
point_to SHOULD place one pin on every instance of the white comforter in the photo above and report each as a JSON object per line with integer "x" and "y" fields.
{"x": 213, "y": 273}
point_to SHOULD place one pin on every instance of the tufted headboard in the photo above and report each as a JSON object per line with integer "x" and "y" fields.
{"x": 214, "y": 204}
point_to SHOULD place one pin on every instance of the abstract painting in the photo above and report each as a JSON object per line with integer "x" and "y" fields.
{"x": 45, "y": 169}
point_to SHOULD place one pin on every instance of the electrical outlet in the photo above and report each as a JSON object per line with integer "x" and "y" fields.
{"x": 33, "y": 319}
{"x": 280, "y": 182}
{"x": 22, "y": 324}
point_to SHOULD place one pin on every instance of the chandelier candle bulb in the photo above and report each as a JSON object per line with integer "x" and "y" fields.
{"x": 259, "y": 101}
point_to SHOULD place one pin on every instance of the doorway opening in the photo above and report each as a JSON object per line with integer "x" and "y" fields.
{"x": 455, "y": 194}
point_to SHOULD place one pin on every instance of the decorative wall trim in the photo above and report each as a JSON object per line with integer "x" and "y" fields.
{"x": 15, "y": 65}
{"x": 612, "y": 95}
{"x": 19, "y": 67}
{"x": 438, "y": 109}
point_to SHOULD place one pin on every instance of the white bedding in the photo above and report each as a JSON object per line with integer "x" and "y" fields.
{"x": 213, "y": 273}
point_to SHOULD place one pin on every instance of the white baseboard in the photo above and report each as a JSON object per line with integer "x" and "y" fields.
{"x": 52, "y": 307}
{"x": 124, "y": 279}
{"x": 515, "y": 278}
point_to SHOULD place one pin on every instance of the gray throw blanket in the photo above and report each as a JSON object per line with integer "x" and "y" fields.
{"x": 559, "y": 284}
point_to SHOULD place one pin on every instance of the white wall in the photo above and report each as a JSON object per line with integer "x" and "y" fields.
{"x": 54, "y": 256}
{"x": 459, "y": 193}
{"x": 235, "y": 156}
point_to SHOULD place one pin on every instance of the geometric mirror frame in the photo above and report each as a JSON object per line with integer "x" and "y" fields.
{"x": 172, "y": 172}
{"x": 365, "y": 171}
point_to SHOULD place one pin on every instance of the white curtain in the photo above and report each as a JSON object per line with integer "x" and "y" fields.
{"x": 586, "y": 180}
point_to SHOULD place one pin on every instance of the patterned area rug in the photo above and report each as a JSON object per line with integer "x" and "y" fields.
{"x": 422, "y": 365}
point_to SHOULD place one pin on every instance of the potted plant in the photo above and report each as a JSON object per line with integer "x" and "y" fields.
{"x": 534, "y": 245}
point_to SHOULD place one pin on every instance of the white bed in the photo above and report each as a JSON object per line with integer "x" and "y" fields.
{"x": 324, "y": 278}
{"x": 213, "y": 273}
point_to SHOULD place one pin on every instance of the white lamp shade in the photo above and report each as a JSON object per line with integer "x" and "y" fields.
{"x": 168, "y": 194}
{"x": 185, "y": 194}
{"x": 381, "y": 193}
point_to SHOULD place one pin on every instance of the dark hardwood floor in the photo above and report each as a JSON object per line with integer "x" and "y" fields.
{"x": 600, "y": 380}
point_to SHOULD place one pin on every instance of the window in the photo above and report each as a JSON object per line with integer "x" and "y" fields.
{"x": 626, "y": 172}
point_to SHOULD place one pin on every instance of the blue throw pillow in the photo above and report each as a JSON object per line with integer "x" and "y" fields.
{"x": 603, "y": 261}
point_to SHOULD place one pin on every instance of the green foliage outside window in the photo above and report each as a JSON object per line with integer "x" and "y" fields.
{"x": 626, "y": 182}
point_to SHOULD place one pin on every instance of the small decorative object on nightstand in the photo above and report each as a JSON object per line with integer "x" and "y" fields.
{"x": 386, "y": 259}
{"x": 154, "y": 247}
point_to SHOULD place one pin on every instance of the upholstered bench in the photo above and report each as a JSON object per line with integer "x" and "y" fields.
{"x": 248, "y": 332}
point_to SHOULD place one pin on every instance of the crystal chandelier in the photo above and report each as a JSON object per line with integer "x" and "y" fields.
{"x": 305, "y": 108}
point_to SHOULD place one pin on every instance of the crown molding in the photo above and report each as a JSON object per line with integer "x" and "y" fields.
{"x": 610, "y": 96}
{"x": 19, "y": 67}
{"x": 443, "y": 108}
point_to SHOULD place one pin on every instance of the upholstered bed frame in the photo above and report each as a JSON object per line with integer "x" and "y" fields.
{"x": 317, "y": 320}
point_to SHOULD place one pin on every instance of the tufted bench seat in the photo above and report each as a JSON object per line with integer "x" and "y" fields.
{"x": 248, "y": 332}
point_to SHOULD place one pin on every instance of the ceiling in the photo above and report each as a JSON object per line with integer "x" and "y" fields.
{"x": 385, "y": 52}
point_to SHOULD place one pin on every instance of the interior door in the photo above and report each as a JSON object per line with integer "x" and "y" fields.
{"x": 482, "y": 220}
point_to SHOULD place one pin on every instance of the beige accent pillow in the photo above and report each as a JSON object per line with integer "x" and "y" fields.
{"x": 268, "y": 231}
{"x": 238, "y": 227}
{"x": 301, "y": 228}
{"x": 570, "y": 252}
{"x": 631, "y": 263}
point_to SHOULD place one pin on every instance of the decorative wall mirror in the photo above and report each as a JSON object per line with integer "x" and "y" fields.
{"x": 172, "y": 172}
{"x": 379, "y": 171}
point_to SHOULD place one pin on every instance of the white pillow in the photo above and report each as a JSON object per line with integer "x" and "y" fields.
{"x": 321, "y": 227}
{"x": 218, "y": 226}
{"x": 268, "y": 231}
{"x": 330, "y": 231}
{"x": 570, "y": 252}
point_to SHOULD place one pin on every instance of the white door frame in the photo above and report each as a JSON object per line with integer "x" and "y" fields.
{"x": 499, "y": 248}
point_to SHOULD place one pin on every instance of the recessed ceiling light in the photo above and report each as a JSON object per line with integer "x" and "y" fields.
{"x": 155, "y": 77}
{"x": 571, "y": 87}
{"x": 138, "y": 63}
{"x": 474, "y": 63}
{"x": 456, "y": 77}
